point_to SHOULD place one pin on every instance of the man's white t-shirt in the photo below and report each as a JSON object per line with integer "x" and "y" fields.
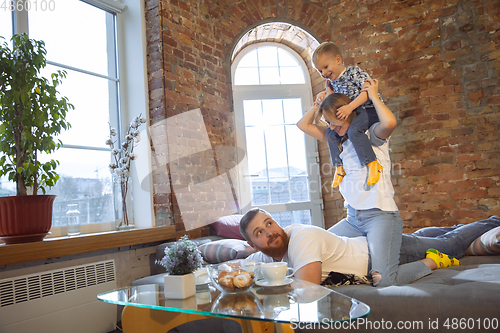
{"x": 336, "y": 253}
{"x": 353, "y": 187}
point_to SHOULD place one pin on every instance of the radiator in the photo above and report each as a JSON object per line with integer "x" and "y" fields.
{"x": 63, "y": 300}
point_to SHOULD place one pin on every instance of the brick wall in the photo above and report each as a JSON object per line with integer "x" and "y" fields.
{"x": 438, "y": 63}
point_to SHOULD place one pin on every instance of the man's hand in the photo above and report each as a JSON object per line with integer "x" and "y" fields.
{"x": 344, "y": 112}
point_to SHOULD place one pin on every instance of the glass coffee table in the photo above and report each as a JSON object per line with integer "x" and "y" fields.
{"x": 300, "y": 304}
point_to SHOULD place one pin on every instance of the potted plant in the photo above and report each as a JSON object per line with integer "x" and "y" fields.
{"x": 181, "y": 260}
{"x": 31, "y": 114}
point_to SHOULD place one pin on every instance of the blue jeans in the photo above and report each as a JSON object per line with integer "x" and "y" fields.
{"x": 365, "y": 118}
{"x": 453, "y": 241}
{"x": 383, "y": 232}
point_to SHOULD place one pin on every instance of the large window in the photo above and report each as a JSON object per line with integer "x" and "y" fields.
{"x": 82, "y": 38}
{"x": 5, "y": 25}
{"x": 279, "y": 170}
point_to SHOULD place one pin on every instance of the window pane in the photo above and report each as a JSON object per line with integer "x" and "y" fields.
{"x": 256, "y": 151}
{"x": 269, "y": 75}
{"x": 299, "y": 188}
{"x": 295, "y": 142}
{"x": 280, "y": 192}
{"x": 293, "y": 110}
{"x": 249, "y": 60}
{"x": 260, "y": 191}
{"x": 268, "y": 56}
{"x": 284, "y": 219}
{"x": 286, "y": 59}
{"x": 252, "y": 112}
{"x": 74, "y": 35}
{"x": 302, "y": 217}
{"x": 276, "y": 149}
{"x": 90, "y": 118}
{"x": 272, "y": 110}
{"x": 262, "y": 66}
{"x": 246, "y": 76}
{"x": 84, "y": 179}
{"x": 5, "y": 25}
{"x": 7, "y": 188}
{"x": 292, "y": 75}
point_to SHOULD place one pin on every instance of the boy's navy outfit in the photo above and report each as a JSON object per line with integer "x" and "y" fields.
{"x": 349, "y": 83}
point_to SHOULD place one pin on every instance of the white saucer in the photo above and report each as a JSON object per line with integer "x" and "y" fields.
{"x": 264, "y": 283}
{"x": 201, "y": 277}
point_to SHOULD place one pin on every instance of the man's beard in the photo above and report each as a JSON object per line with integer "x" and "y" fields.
{"x": 277, "y": 252}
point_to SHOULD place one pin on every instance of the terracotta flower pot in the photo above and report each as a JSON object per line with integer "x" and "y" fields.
{"x": 25, "y": 218}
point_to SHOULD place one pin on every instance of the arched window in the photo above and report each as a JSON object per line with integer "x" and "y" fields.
{"x": 279, "y": 171}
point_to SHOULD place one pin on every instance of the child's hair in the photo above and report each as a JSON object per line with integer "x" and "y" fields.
{"x": 326, "y": 47}
{"x": 330, "y": 105}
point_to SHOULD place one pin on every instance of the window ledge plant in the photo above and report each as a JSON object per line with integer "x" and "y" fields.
{"x": 31, "y": 114}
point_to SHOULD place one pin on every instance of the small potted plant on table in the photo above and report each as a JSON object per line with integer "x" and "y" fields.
{"x": 181, "y": 260}
{"x": 31, "y": 114}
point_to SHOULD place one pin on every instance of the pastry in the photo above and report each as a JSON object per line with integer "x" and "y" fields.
{"x": 227, "y": 282}
{"x": 242, "y": 280}
{"x": 235, "y": 279}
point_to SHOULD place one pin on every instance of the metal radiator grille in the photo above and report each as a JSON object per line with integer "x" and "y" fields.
{"x": 34, "y": 286}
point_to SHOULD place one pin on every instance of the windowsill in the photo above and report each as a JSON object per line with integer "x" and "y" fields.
{"x": 63, "y": 246}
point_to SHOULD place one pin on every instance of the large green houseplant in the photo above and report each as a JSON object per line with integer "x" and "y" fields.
{"x": 31, "y": 114}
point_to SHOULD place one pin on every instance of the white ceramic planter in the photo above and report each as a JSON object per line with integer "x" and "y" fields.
{"x": 179, "y": 286}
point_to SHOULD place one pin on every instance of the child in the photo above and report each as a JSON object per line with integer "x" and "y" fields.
{"x": 349, "y": 81}
{"x": 371, "y": 211}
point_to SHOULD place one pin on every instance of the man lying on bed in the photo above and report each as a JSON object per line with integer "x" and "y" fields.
{"x": 320, "y": 256}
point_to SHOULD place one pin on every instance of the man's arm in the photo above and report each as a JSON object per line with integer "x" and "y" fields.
{"x": 310, "y": 272}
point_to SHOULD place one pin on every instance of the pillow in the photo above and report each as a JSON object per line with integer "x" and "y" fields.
{"x": 228, "y": 226}
{"x": 487, "y": 243}
{"x": 225, "y": 250}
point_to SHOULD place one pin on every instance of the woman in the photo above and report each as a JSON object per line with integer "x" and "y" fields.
{"x": 372, "y": 211}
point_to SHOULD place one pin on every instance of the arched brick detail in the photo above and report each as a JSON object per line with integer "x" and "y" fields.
{"x": 292, "y": 36}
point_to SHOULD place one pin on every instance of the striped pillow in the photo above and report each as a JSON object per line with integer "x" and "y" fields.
{"x": 487, "y": 243}
{"x": 225, "y": 250}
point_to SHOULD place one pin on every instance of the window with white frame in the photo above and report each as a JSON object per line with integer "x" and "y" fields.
{"x": 82, "y": 38}
{"x": 5, "y": 25}
{"x": 279, "y": 170}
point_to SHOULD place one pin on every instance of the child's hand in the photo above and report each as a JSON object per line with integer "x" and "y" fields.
{"x": 320, "y": 97}
{"x": 371, "y": 87}
{"x": 328, "y": 85}
{"x": 344, "y": 112}
{"x": 329, "y": 89}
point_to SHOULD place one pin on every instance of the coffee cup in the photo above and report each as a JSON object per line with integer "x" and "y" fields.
{"x": 275, "y": 272}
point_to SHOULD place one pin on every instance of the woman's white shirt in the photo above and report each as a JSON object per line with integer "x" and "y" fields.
{"x": 353, "y": 187}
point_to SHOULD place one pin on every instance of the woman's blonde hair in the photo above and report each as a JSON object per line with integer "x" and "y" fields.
{"x": 330, "y": 105}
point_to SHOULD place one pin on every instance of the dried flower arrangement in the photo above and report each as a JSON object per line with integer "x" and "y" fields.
{"x": 122, "y": 159}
